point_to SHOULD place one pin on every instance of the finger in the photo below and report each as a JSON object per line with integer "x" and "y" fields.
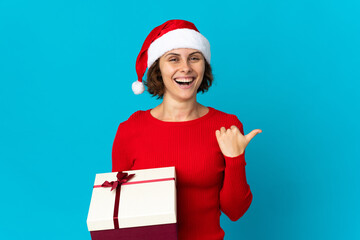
{"x": 252, "y": 134}
{"x": 217, "y": 133}
{"x": 234, "y": 128}
{"x": 222, "y": 129}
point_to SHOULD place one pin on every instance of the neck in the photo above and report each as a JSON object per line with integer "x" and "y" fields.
{"x": 177, "y": 111}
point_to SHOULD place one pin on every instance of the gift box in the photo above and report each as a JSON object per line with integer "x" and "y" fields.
{"x": 135, "y": 204}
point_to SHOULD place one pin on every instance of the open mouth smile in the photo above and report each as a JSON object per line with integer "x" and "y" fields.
{"x": 184, "y": 82}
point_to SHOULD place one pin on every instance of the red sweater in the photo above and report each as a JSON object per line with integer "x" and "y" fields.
{"x": 207, "y": 181}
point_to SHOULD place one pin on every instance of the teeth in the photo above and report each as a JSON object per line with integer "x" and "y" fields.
{"x": 184, "y": 79}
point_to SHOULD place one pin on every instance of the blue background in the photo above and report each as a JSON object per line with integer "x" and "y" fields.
{"x": 290, "y": 68}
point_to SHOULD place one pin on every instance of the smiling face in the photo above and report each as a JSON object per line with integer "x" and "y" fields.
{"x": 182, "y": 71}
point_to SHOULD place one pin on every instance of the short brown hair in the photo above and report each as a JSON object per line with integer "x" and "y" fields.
{"x": 155, "y": 84}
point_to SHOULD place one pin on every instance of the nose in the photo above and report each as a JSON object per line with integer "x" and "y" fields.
{"x": 186, "y": 67}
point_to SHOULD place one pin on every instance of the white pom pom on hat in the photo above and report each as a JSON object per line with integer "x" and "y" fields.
{"x": 138, "y": 87}
{"x": 170, "y": 35}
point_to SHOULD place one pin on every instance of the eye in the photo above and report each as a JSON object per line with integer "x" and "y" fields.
{"x": 173, "y": 59}
{"x": 195, "y": 58}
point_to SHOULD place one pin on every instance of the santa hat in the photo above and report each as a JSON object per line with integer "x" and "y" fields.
{"x": 168, "y": 36}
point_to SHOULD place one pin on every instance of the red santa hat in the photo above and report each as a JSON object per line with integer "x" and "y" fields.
{"x": 170, "y": 35}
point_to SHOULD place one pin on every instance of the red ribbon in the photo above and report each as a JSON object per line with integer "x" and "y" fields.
{"x": 121, "y": 178}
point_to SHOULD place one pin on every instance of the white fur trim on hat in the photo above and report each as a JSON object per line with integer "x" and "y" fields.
{"x": 179, "y": 38}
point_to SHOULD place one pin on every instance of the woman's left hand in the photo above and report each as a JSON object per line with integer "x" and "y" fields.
{"x": 231, "y": 141}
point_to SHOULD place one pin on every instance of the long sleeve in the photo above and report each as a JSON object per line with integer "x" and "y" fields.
{"x": 235, "y": 194}
{"x": 121, "y": 160}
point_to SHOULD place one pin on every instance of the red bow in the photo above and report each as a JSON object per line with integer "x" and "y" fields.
{"x": 122, "y": 178}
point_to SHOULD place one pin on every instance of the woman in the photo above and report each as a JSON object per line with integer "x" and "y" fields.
{"x": 205, "y": 145}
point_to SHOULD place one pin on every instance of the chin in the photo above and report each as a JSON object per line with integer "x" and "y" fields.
{"x": 186, "y": 97}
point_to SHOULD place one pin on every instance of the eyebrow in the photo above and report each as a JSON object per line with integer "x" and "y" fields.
{"x": 176, "y": 54}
